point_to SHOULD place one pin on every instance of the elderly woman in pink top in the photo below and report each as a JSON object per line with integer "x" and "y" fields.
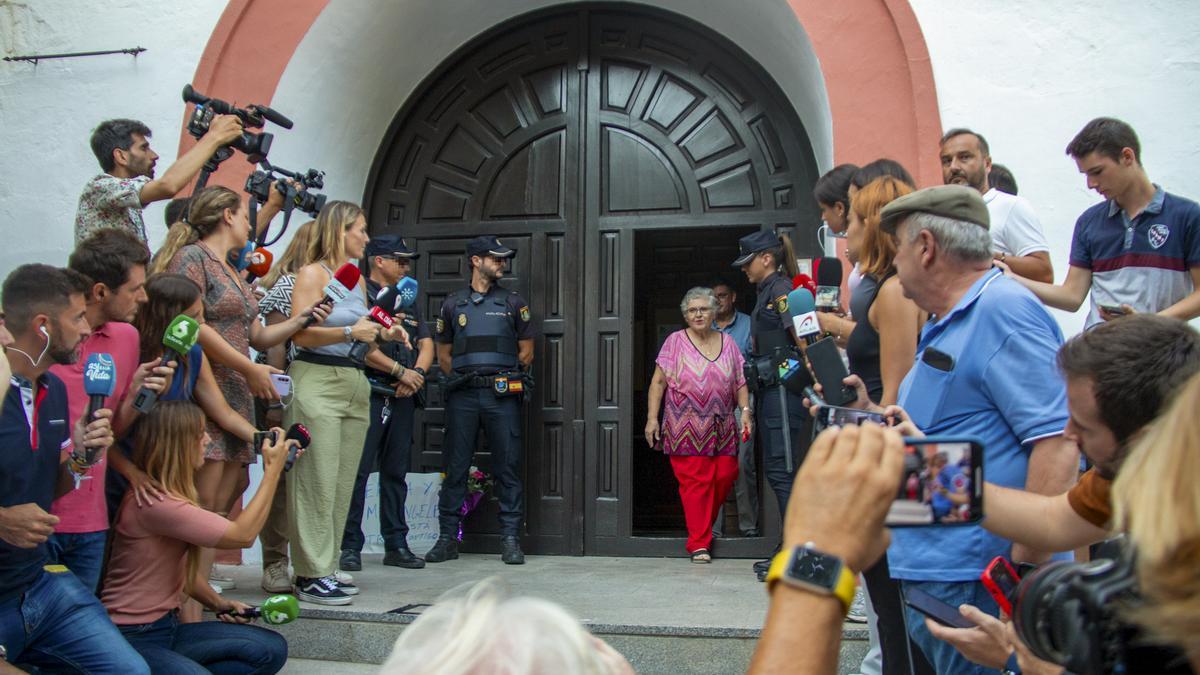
{"x": 700, "y": 371}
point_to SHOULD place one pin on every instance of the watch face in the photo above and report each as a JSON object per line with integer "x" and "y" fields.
{"x": 815, "y": 568}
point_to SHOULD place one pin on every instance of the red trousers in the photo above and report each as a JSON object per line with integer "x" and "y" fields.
{"x": 704, "y": 483}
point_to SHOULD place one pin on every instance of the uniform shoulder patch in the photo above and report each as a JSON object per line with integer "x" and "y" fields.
{"x": 781, "y": 304}
{"x": 462, "y": 320}
{"x": 441, "y": 325}
{"x": 525, "y": 314}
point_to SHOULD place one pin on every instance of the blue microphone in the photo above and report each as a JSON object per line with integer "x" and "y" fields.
{"x": 803, "y": 310}
{"x": 406, "y": 292}
{"x": 99, "y": 382}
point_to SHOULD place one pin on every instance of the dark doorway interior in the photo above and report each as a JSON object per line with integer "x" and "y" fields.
{"x": 668, "y": 263}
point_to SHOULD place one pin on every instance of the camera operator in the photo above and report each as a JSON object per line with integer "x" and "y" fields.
{"x": 836, "y": 510}
{"x": 48, "y": 619}
{"x": 116, "y": 197}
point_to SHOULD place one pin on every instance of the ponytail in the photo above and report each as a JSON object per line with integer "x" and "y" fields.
{"x": 784, "y": 257}
{"x": 206, "y": 214}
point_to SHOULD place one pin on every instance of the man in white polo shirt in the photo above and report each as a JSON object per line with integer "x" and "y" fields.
{"x": 1017, "y": 237}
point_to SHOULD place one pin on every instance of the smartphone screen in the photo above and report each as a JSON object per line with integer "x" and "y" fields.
{"x": 942, "y": 483}
{"x": 832, "y": 415}
{"x": 830, "y": 370}
{"x": 935, "y": 609}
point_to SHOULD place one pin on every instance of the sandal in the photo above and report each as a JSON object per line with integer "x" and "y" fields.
{"x": 701, "y": 556}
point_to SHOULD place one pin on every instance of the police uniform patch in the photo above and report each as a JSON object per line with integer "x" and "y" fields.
{"x": 441, "y": 325}
{"x": 525, "y": 314}
{"x": 781, "y": 304}
{"x": 462, "y": 320}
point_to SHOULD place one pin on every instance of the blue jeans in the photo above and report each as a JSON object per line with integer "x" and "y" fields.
{"x": 945, "y": 658}
{"x": 210, "y": 646}
{"x": 60, "y": 626}
{"x": 82, "y": 553}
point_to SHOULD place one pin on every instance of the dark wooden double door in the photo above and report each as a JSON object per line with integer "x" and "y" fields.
{"x": 566, "y": 133}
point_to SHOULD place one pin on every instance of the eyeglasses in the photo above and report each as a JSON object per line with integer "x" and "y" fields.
{"x": 697, "y": 311}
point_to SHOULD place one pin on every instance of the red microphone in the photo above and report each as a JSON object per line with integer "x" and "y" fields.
{"x": 260, "y": 263}
{"x": 344, "y": 280}
{"x": 381, "y": 317}
{"x": 804, "y": 281}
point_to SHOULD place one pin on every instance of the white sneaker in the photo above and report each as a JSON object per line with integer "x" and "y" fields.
{"x": 275, "y": 578}
{"x": 218, "y": 580}
{"x": 345, "y": 582}
{"x": 321, "y": 591}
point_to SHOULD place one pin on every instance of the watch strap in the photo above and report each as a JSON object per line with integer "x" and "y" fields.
{"x": 843, "y": 590}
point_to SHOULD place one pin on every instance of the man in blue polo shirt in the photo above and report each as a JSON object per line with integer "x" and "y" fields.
{"x": 985, "y": 368}
{"x": 1139, "y": 250}
{"x": 48, "y": 619}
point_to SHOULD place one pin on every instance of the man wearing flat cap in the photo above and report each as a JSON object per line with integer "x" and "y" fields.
{"x": 484, "y": 338}
{"x": 397, "y": 376}
{"x": 985, "y": 367}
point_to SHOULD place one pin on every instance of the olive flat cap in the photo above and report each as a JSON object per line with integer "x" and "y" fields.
{"x": 952, "y": 201}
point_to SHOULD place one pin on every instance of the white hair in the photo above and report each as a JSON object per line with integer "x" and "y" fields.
{"x": 960, "y": 239}
{"x": 480, "y": 630}
{"x": 698, "y": 293}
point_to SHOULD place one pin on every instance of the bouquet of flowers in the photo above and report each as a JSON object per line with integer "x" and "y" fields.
{"x": 478, "y": 483}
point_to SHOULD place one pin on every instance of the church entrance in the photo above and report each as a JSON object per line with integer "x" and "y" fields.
{"x": 622, "y": 151}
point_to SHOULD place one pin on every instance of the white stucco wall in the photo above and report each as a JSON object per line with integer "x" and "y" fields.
{"x": 48, "y": 111}
{"x": 1025, "y": 73}
{"x": 1028, "y": 74}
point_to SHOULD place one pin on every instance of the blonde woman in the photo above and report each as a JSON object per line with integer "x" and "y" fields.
{"x": 332, "y": 398}
{"x": 1155, "y": 500}
{"x": 143, "y": 598}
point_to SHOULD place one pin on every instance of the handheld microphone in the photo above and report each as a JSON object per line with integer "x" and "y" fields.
{"x": 180, "y": 337}
{"x": 359, "y": 349}
{"x": 99, "y": 382}
{"x": 804, "y": 281}
{"x": 242, "y": 259}
{"x": 299, "y": 433}
{"x": 388, "y": 299}
{"x": 344, "y": 280}
{"x": 406, "y": 289}
{"x": 804, "y": 315}
{"x": 829, "y": 284}
{"x": 275, "y": 610}
{"x": 259, "y": 263}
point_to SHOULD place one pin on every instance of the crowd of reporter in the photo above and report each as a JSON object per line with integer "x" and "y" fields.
{"x": 947, "y": 335}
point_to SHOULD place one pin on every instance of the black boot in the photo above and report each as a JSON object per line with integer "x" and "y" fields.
{"x": 350, "y": 561}
{"x": 511, "y": 553}
{"x": 402, "y": 557}
{"x": 445, "y": 549}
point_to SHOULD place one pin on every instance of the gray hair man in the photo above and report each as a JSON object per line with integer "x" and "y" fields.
{"x": 985, "y": 367}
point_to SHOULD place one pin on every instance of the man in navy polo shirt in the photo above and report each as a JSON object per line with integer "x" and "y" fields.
{"x": 985, "y": 368}
{"x": 48, "y": 619}
{"x": 1139, "y": 250}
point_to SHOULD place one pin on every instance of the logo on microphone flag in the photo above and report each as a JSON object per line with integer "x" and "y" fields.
{"x": 181, "y": 334}
{"x": 806, "y": 324}
{"x": 99, "y": 367}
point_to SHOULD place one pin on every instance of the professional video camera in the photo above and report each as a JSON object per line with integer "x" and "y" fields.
{"x": 258, "y": 185}
{"x": 1071, "y": 614}
{"x": 255, "y": 146}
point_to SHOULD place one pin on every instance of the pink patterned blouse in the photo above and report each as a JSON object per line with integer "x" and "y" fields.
{"x": 698, "y": 406}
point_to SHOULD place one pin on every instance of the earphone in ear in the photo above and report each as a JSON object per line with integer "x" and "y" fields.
{"x": 44, "y": 331}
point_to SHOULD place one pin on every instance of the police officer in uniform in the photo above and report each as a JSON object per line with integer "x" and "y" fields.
{"x": 397, "y": 377}
{"x": 762, "y": 256}
{"x": 484, "y": 339}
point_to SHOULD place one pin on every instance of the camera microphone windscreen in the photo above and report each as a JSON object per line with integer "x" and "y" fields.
{"x": 274, "y": 116}
{"x": 99, "y": 381}
{"x": 804, "y": 314}
{"x": 407, "y": 288}
{"x": 829, "y": 283}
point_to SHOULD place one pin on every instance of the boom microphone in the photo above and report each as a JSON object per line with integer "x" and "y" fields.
{"x": 829, "y": 284}
{"x": 345, "y": 279}
{"x": 180, "y": 337}
{"x": 804, "y": 315}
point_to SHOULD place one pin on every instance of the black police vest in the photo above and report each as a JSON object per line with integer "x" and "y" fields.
{"x": 765, "y": 325}
{"x": 485, "y": 334}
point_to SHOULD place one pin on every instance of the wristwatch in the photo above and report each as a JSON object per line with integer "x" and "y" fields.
{"x": 347, "y": 334}
{"x": 420, "y": 370}
{"x": 813, "y": 570}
